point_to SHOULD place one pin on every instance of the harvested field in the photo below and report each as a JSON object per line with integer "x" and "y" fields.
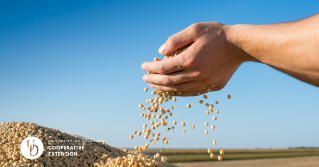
{"x": 307, "y": 161}
{"x": 190, "y": 155}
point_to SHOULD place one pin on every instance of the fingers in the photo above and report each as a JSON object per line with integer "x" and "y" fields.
{"x": 166, "y": 66}
{"x": 188, "y": 93}
{"x": 195, "y": 92}
{"x": 169, "y": 79}
{"x": 178, "y": 87}
{"x": 178, "y": 40}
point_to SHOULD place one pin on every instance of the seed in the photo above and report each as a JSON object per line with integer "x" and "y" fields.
{"x": 193, "y": 127}
{"x": 212, "y": 127}
{"x": 157, "y": 155}
{"x": 159, "y": 116}
{"x": 154, "y": 115}
{"x": 228, "y": 96}
{"x": 184, "y": 131}
{"x": 142, "y": 115}
{"x": 221, "y": 152}
{"x": 153, "y": 92}
{"x": 188, "y": 105}
{"x": 145, "y": 89}
{"x": 164, "y": 159}
{"x": 214, "y": 117}
{"x": 206, "y": 132}
{"x": 192, "y": 104}
{"x": 220, "y": 158}
{"x": 166, "y": 117}
{"x": 211, "y": 155}
{"x": 214, "y": 142}
{"x": 217, "y": 111}
{"x": 135, "y": 132}
{"x": 170, "y": 114}
{"x": 156, "y": 138}
{"x": 174, "y": 122}
{"x": 165, "y": 141}
{"x": 216, "y": 102}
{"x": 207, "y": 112}
{"x": 183, "y": 123}
{"x": 152, "y": 122}
{"x": 144, "y": 126}
{"x": 205, "y": 96}
{"x": 206, "y": 124}
{"x": 172, "y": 107}
{"x": 211, "y": 106}
{"x": 141, "y": 106}
{"x": 153, "y": 127}
{"x": 139, "y": 133}
{"x": 206, "y": 104}
{"x": 131, "y": 136}
{"x": 158, "y": 134}
{"x": 209, "y": 150}
{"x": 211, "y": 109}
{"x": 201, "y": 101}
{"x": 174, "y": 99}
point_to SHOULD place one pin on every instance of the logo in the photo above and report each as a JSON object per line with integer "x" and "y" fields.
{"x": 31, "y": 147}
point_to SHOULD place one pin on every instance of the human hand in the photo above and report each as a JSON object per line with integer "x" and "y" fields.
{"x": 207, "y": 65}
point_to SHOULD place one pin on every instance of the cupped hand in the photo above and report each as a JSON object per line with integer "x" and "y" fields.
{"x": 207, "y": 65}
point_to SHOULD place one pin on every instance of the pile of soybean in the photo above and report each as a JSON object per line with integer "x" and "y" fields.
{"x": 94, "y": 154}
{"x": 155, "y": 111}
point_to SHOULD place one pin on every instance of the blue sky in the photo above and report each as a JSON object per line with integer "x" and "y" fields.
{"x": 75, "y": 66}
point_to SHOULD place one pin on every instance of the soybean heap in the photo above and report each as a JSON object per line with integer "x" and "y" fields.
{"x": 95, "y": 154}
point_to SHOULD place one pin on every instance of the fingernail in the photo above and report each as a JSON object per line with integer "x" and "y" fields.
{"x": 162, "y": 49}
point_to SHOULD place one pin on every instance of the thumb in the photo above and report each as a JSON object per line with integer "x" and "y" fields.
{"x": 177, "y": 40}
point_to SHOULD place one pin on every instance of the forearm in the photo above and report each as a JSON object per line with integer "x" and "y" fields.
{"x": 289, "y": 47}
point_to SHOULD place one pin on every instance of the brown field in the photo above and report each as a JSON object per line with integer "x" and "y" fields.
{"x": 197, "y": 155}
{"x": 306, "y": 161}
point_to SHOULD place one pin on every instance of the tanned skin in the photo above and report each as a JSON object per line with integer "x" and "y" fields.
{"x": 218, "y": 50}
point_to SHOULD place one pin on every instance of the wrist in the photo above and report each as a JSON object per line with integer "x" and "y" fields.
{"x": 233, "y": 35}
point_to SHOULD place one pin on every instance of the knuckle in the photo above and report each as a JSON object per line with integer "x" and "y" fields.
{"x": 178, "y": 89}
{"x": 171, "y": 41}
{"x": 166, "y": 81}
{"x": 198, "y": 74}
{"x": 160, "y": 69}
{"x": 191, "y": 63}
{"x": 195, "y": 28}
